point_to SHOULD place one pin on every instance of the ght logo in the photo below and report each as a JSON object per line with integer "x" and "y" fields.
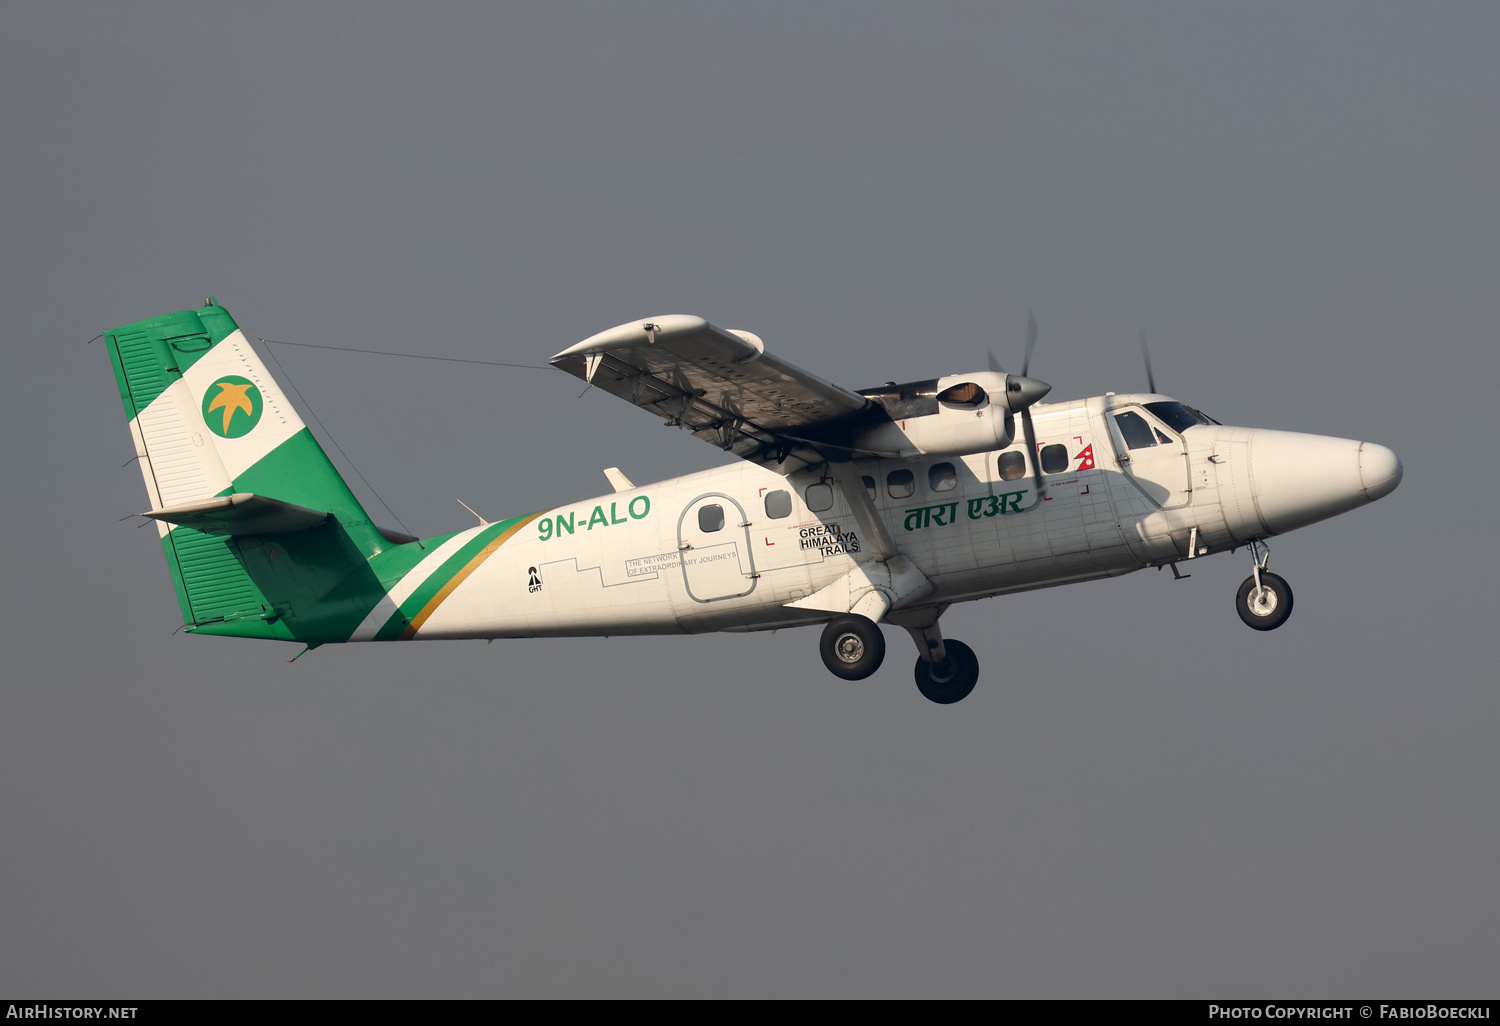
{"x": 232, "y": 406}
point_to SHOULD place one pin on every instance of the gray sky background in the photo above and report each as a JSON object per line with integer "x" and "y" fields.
{"x": 1142, "y": 798}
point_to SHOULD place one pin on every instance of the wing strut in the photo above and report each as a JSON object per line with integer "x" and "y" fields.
{"x": 877, "y": 537}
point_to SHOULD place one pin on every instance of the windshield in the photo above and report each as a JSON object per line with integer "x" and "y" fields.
{"x": 1177, "y": 416}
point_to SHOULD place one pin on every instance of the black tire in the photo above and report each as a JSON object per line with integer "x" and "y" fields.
{"x": 852, "y": 647}
{"x": 1274, "y": 606}
{"x": 952, "y": 679}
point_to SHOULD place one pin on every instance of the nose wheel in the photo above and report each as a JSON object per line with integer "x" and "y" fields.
{"x": 1266, "y": 607}
{"x": 1264, "y": 600}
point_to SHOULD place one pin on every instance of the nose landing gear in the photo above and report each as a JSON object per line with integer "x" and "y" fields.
{"x": 1264, "y": 600}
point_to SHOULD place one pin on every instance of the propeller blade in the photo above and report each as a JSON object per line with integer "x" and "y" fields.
{"x": 995, "y": 363}
{"x": 1036, "y": 461}
{"x": 1146, "y": 355}
{"x": 1030, "y": 344}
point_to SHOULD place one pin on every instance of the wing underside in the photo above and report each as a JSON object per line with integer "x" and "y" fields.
{"x": 720, "y": 385}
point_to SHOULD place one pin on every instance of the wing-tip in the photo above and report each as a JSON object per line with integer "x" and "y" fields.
{"x": 640, "y": 332}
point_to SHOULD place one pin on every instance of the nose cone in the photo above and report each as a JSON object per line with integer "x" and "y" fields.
{"x": 1379, "y": 469}
{"x": 1022, "y": 392}
{"x": 1301, "y": 479}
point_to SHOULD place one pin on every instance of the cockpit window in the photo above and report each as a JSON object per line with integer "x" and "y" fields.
{"x": 1177, "y": 416}
{"x": 1135, "y": 429}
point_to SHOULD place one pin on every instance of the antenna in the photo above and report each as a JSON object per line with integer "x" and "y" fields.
{"x": 1146, "y": 355}
{"x": 483, "y": 522}
{"x": 1030, "y": 344}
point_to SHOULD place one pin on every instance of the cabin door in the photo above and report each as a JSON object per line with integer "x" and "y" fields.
{"x": 714, "y": 542}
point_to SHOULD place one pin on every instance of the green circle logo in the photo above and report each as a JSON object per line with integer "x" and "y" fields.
{"x": 232, "y": 406}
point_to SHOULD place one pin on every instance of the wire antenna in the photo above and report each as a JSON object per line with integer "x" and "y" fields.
{"x": 308, "y": 406}
{"x": 408, "y": 356}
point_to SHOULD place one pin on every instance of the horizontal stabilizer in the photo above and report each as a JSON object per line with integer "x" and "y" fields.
{"x": 241, "y": 513}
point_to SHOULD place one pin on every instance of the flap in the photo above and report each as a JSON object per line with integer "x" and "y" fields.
{"x": 240, "y": 513}
{"x": 720, "y": 385}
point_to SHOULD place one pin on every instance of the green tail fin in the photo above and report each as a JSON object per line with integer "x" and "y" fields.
{"x": 224, "y": 455}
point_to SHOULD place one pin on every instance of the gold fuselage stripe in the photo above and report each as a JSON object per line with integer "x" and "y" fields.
{"x": 459, "y": 578}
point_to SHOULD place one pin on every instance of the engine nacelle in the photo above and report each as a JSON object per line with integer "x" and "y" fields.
{"x": 957, "y": 415}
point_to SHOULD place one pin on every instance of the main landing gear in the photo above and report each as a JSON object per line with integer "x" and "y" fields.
{"x": 1264, "y": 601}
{"x": 853, "y": 648}
{"x": 951, "y": 678}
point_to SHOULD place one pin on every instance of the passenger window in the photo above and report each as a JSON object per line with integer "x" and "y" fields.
{"x": 941, "y": 477}
{"x": 900, "y": 483}
{"x": 1135, "y": 429}
{"x": 1012, "y": 466}
{"x": 869, "y": 485}
{"x": 1055, "y": 459}
{"x": 710, "y": 518}
{"x": 819, "y": 497}
{"x": 778, "y": 504}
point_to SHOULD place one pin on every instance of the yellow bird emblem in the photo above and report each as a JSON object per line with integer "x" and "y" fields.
{"x": 232, "y": 397}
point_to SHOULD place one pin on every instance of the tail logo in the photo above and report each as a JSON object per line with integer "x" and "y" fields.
{"x": 226, "y": 399}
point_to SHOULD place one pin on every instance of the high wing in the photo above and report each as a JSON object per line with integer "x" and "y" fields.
{"x": 723, "y": 387}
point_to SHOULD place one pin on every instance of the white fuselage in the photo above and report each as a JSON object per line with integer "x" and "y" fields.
{"x": 722, "y": 550}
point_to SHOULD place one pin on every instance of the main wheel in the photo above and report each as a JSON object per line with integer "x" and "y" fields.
{"x": 852, "y": 647}
{"x": 1267, "y": 610}
{"x": 952, "y": 679}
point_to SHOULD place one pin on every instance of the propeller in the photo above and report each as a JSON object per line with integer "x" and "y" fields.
{"x": 1146, "y": 355}
{"x": 1036, "y": 456}
{"x": 1030, "y": 343}
{"x": 1026, "y": 391}
{"x": 1021, "y": 390}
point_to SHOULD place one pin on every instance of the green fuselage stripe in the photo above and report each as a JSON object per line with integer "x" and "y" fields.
{"x": 424, "y": 601}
